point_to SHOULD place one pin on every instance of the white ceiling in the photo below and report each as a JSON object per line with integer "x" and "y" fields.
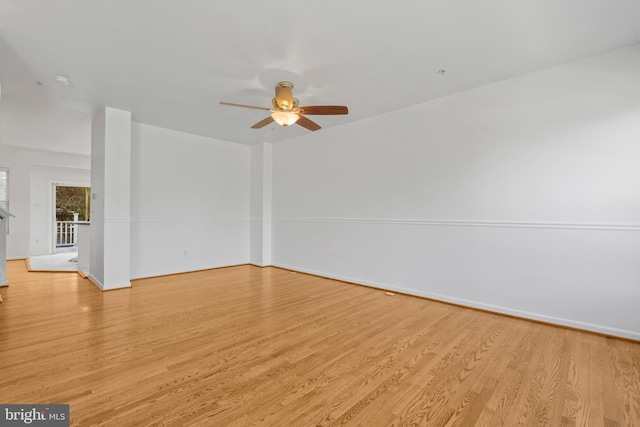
{"x": 170, "y": 62}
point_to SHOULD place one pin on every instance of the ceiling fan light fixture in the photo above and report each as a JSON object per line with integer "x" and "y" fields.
{"x": 284, "y": 118}
{"x": 286, "y": 112}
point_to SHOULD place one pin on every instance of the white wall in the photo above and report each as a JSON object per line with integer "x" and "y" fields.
{"x": 519, "y": 197}
{"x": 30, "y": 201}
{"x": 189, "y": 202}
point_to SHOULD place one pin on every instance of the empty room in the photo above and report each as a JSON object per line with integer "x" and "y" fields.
{"x": 320, "y": 214}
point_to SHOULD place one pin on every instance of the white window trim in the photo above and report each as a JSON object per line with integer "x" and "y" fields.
{"x": 6, "y": 170}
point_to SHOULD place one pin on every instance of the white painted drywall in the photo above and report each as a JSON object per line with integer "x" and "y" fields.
{"x": 520, "y": 197}
{"x": 96, "y": 232}
{"x": 190, "y": 198}
{"x": 109, "y": 258}
{"x": 32, "y": 121}
{"x": 3, "y": 238}
{"x": 261, "y": 178}
{"x": 30, "y": 200}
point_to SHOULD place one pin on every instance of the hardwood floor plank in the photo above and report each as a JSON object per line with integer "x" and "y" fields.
{"x": 248, "y": 346}
{"x": 627, "y": 381}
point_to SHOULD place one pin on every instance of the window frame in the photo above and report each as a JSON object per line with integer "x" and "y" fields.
{"x": 5, "y": 203}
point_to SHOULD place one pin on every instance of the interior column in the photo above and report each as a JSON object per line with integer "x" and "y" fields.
{"x": 110, "y": 199}
{"x": 261, "y": 178}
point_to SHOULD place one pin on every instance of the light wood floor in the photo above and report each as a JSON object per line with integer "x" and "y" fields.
{"x": 244, "y": 346}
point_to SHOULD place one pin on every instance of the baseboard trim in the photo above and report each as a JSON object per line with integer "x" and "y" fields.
{"x": 100, "y": 286}
{"x": 94, "y": 282}
{"x": 190, "y": 271}
{"x": 260, "y": 266}
{"x": 505, "y": 311}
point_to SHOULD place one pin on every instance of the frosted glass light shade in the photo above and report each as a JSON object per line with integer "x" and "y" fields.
{"x": 285, "y": 118}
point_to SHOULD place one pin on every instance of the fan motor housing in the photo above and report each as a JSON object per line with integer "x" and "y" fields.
{"x": 279, "y": 107}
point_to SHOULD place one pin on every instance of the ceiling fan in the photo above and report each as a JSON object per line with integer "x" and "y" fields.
{"x": 286, "y": 111}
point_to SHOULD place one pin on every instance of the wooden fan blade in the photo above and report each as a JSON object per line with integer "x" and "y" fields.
{"x": 244, "y": 106}
{"x": 306, "y": 123}
{"x": 284, "y": 97}
{"x": 324, "y": 109}
{"x": 262, "y": 123}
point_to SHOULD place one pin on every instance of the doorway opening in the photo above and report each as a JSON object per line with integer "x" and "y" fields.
{"x": 72, "y": 207}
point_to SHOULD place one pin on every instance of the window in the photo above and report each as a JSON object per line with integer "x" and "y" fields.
{"x": 4, "y": 192}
